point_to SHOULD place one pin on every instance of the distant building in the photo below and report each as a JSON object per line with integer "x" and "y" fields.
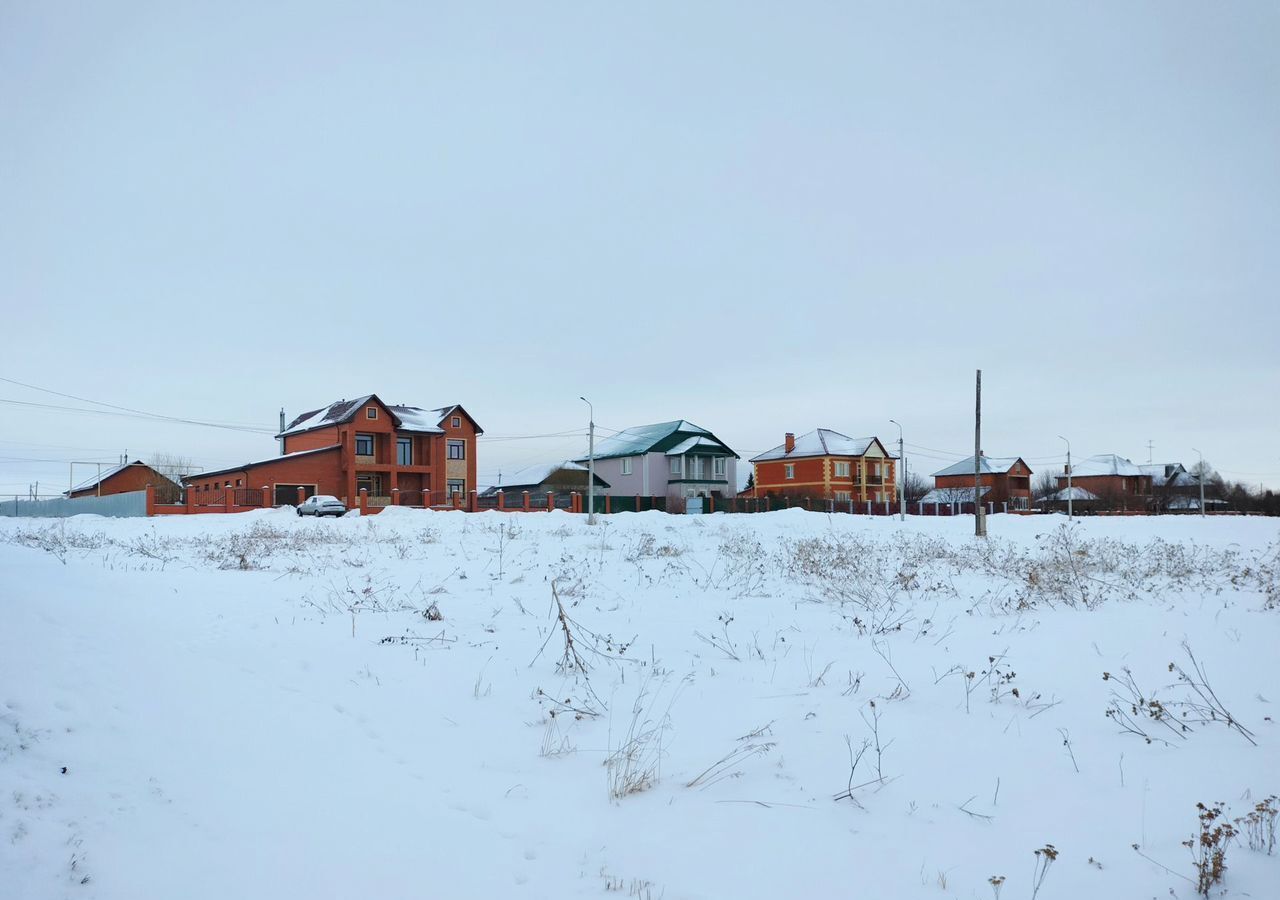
{"x": 1006, "y": 480}
{"x": 125, "y": 478}
{"x": 424, "y": 455}
{"x": 827, "y": 464}
{"x": 667, "y": 459}
{"x": 1115, "y": 482}
{"x": 562, "y": 477}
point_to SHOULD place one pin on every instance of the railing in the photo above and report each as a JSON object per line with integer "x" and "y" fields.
{"x": 378, "y": 501}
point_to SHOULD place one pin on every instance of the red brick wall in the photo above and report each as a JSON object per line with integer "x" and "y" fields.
{"x": 132, "y": 478}
{"x": 320, "y": 469}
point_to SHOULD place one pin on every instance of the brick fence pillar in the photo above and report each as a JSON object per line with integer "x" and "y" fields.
{"x": 151, "y": 499}
{"x": 551, "y": 501}
{"x": 228, "y": 497}
{"x": 266, "y": 497}
{"x": 364, "y": 501}
{"x": 525, "y": 495}
{"x": 607, "y": 505}
{"x": 395, "y": 496}
{"x": 191, "y": 499}
{"x": 501, "y": 499}
{"x": 473, "y": 503}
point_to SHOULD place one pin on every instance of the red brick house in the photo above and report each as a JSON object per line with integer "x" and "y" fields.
{"x": 1115, "y": 481}
{"x": 1007, "y": 480}
{"x": 125, "y": 478}
{"x": 422, "y": 455}
{"x": 827, "y": 464}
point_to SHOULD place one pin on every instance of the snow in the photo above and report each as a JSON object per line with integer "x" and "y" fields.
{"x": 411, "y": 418}
{"x": 536, "y": 474}
{"x": 256, "y": 706}
{"x": 1071, "y": 493}
{"x": 820, "y": 442}
{"x": 425, "y": 421}
{"x": 1105, "y": 464}
{"x": 997, "y": 465}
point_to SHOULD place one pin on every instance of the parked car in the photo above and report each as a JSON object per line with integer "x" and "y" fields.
{"x": 322, "y": 505}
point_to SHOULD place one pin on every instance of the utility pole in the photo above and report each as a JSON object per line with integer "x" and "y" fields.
{"x": 282, "y": 431}
{"x": 902, "y": 475}
{"x": 1060, "y": 437}
{"x": 591, "y": 462}
{"x": 1200, "y": 478}
{"x": 1150, "y": 446}
{"x": 979, "y": 520}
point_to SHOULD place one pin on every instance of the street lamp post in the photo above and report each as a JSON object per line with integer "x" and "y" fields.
{"x": 591, "y": 462}
{"x": 1200, "y": 478}
{"x": 1068, "y": 475}
{"x": 902, "y": 476}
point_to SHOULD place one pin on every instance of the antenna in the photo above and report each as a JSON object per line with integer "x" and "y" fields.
{"x": 1149, "y": 446}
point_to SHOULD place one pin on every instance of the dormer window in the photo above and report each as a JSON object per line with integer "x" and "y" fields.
{"x": 371, "y": 412}
{"x": 456, "y": 422}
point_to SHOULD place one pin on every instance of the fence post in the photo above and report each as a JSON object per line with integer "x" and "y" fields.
{"x": 191, "y": 499}
{"x": 711, "y": 503}
{"x": 151, "y": 500}
{"x": 768, "y": 503}
{"x": 607, "y": 504}
{"x": 228, "y": 497}
{"x": 302, "y": 495}
{"x": 395, "y": 496}
{"x": 637, "y": 503}
{"x": 473, "y": 502}
{"x": 266, "y": 497}
{"x": 364, "y": 501}
{"x": 551, "y": 500}
{"x": 501, "y": 499}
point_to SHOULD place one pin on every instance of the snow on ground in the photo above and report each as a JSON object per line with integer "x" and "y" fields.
{"x": 259, "y": 706}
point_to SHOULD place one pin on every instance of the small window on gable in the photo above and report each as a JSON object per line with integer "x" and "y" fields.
{"x": 626, "y": 465}
{"x": 456, "y": 422}
{"x": 371, "y": 412}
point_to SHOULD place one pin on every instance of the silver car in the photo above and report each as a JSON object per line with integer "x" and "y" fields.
{"x": 322, "y": 505}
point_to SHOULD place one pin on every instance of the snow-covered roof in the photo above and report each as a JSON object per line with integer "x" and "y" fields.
{"x": 1169, "y": 475}
{"x": 408, "y": 418}
{"x": 1072, "y": 493}
{"x": 822, "y": 442}
{"x": 991, "y": 465}
{"x": 1105, "y": 464}
{"x": 953, "y": 495}
{"x": 96, "y": 479}
{"x": 540, "y": 473}
{"x": 657, "y": 438}
{"x": 1194, "y": 503}
{"x": 699, "y": 442}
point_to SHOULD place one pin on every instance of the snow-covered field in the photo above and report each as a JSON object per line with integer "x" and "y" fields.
{"x": 255, "y": 706}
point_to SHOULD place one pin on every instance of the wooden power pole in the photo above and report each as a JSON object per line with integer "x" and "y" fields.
{"x": 979, "y": 519}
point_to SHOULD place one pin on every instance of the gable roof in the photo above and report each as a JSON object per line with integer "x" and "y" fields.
{"x": 1169, "y": 475}
{"x": 661, "y": 437}
{"x": 1104, "y": 464}
{"x": 991, "y": 465}
{"x": 95, "y": 480}
{"x": 953, "y": 495}
{"x": 824, "y": 442}
{"x": 540, "y": 473}
{"x": 407, "y": 418}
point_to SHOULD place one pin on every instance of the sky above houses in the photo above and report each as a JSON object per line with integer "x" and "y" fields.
{"x": 758, "y": 217}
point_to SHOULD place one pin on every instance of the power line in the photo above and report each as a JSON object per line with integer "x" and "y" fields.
{"x": 145, "y": 416}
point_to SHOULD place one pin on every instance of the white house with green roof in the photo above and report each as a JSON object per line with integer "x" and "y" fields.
{"x": 668, "y": 459}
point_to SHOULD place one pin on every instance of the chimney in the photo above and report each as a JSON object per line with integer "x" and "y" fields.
{"x": 790, "y": 442}
{"x": 282, "y": 431}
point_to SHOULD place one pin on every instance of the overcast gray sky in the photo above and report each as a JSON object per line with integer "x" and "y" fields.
{"x": 759, "y": 217}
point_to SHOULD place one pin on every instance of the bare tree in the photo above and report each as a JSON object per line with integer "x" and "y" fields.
{"x": 1046, "y": 483}
{"x": 174, "y": 468}
{"x": 915, "y": 486}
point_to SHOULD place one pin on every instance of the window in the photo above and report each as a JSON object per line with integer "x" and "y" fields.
{"x": 457, "y": 450}
{"x": 842, "y": 496}
{"x": 239, "y": 482}
{"x": 404, "y": 451}
{"x": 364, "y": 445}
{"x": 842, "y": 470}
{"x": 626, "y": 465}
{"x": 675, "y": 465}
{"x": 719, "y": 466}
{"x": 790, "y": 470}
{"x": 456, "y": 422}
{"x": 457, "y": 487}
{"x": 371, "y": 412}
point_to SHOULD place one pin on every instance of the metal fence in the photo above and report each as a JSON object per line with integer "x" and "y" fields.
{"x": 130, "y": 505}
